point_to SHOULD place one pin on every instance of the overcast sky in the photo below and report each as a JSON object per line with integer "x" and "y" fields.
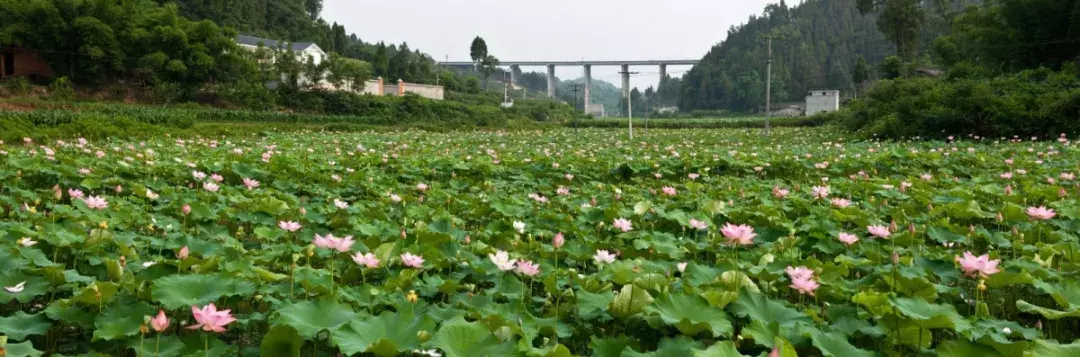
{"x": 551, "y": 30}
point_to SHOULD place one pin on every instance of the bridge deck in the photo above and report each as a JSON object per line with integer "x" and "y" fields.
{"x": 581, "y": 63}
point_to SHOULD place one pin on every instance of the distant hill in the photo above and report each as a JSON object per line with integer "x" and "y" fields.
{"x": 816, "y": 45}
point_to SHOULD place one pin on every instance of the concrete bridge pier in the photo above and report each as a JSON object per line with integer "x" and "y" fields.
{"x": 588, "y": 85}
{"x": 663, "y": 70}
{"x": 551, "y": 81}
{"x": 513, "y": 74}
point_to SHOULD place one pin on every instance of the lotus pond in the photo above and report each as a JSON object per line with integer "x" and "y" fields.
{"x": 546, "y": 243}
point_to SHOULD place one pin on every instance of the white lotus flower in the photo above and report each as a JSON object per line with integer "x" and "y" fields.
{"x": 18, "y": 288}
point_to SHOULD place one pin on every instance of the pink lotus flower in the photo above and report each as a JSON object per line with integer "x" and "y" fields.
{"x": 603, "y": 256}
{"x": 1040, "y": 213}
{"x": 119, "y": 188}
{"x": 160, "y": 322}
{"x": 342, "y": 244}
{"x": 395, "y": 198}
{"x": 562, "y": 191}
{"x": 367, "y": 260}
{"x": 775, "y": 351}
{"x": 96, "y": 202}
{"x": 198, "y": 175}
{"x": 1007, "y": 175}
{"x": 75, "y": 194}
{"x": 85, "y": 171}
{"x": 183, "y": 254}
{"x": 779, "y": 192}
{"x": 151, "y": 195}
{"x": 668, "y": 190}
{"x": 217, "y": 177}
{"x": 569, "y": 177}
{"x": 799, "y": 273}
{"x": 328, "y": 241}
{"x": 741, "y": 234}
{"x": 414, "y": 261}
{"x": 879, "y": 231}
{"x": 848, "y": 238}
{"x": 840, "y": 202}
{"x": 210, "y": 319}
{"x": 696, "y": 224}
{"x": 186, "y": 209}
{"x": 558, "y": 241}
{"x": 210, "y": 186}
{"x": 502, "y": 260}
{"x": 805, "y": 286}
{"x": 693, "y": 176}
{"x": 622, "y": 224}
{"x": 250, "y": 183}
{"x": 422, "y": 187}
{"x": 527, "y": 268}
{"x": 980, "y": 266}
{"x": 289, "y": 226}
{"x": 820, "y": 192}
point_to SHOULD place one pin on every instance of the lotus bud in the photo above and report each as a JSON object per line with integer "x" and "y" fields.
{"x": 999, "y": 217}
{"x": 303, "y": 211}
{"x": 1038, "y": 325}
{"x": 1008, "y": 190}
{"x": 123, "y": 261}
{"x": 911, "y": 228}
{"x": 892, "y": 226}
{"x": 412, "y": 296}
{"x": 184, "y": 252}
{"x": 930, "y": 207}
{"x": 468, "y": 239}
{"x": 119, "y": 188}
{"x": 57, "y": 192}
{"x": 423, "y": 336}
{"x": 258, "y": 297}
{"x": 1062, "y": 193}
{"x": 186, "y": 210}
{"x": 1015, "y": 232}
{"x": 971, "y": 229}
{"x": 558, "y": 241}
{"x": 895, "y": 258}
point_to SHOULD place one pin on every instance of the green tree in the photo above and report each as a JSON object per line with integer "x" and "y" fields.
{"x": 488, "y": 66}
{"x": 861, "y": 74}
{"x": 899, "y": 21}
{"x": 478, "y": 50}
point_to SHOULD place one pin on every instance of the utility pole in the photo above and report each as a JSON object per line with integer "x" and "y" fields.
{"x": 768, "y": 86}
{"x": 646, "y": 115}
{"x": 576, "y": 88}
{"x": 629, "y": 103}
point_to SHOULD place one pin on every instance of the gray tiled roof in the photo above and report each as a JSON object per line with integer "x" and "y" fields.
{"x": 255, "y": 41}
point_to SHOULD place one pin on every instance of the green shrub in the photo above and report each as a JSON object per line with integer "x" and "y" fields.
{"x": 1039, "y": 102}
{"x": 18, "y": 86}
{"x": 61, "y": 89}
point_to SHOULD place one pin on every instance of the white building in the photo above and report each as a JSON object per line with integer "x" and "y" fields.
{"x": 822, "y": 101}
{"x": 303, "y": 50}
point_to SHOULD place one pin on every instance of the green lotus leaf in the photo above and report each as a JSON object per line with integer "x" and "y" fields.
{"x": 281, "y": 341}
{"x": 719, "y": 349}
{"x": 590, "y": 305}
{"x": 1048, "y": 313}
{"x": 386, "y": 335}
{"x": 121, "y": 321}
{"x": 25, "y": 348}
{"x": 166, "y": 346}
{"x": 608, "y": 347}
{"x": 836, "y": 344}
{"x": 758, "y": 307}
{"x": 312, "y": 317}
{"x": 177, "y": 291}
{"x": 33, "y": 287}
{"x": 930, "y": 316}
{"x": 963, "y": 348}
{"x": 1045, "y": 348}
{"x": 691, "y": 315}
{"x": 458, "y": 338}
{"x": 629, "y": 301}
{"x": 20, "y": 325}
{"x": 680, "y": 346}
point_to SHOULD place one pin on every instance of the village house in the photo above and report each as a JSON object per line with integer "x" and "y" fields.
{"x": 20, "y": 62}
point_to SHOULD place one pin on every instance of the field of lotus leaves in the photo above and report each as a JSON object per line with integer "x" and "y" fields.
{"x": 710, "y": 243}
